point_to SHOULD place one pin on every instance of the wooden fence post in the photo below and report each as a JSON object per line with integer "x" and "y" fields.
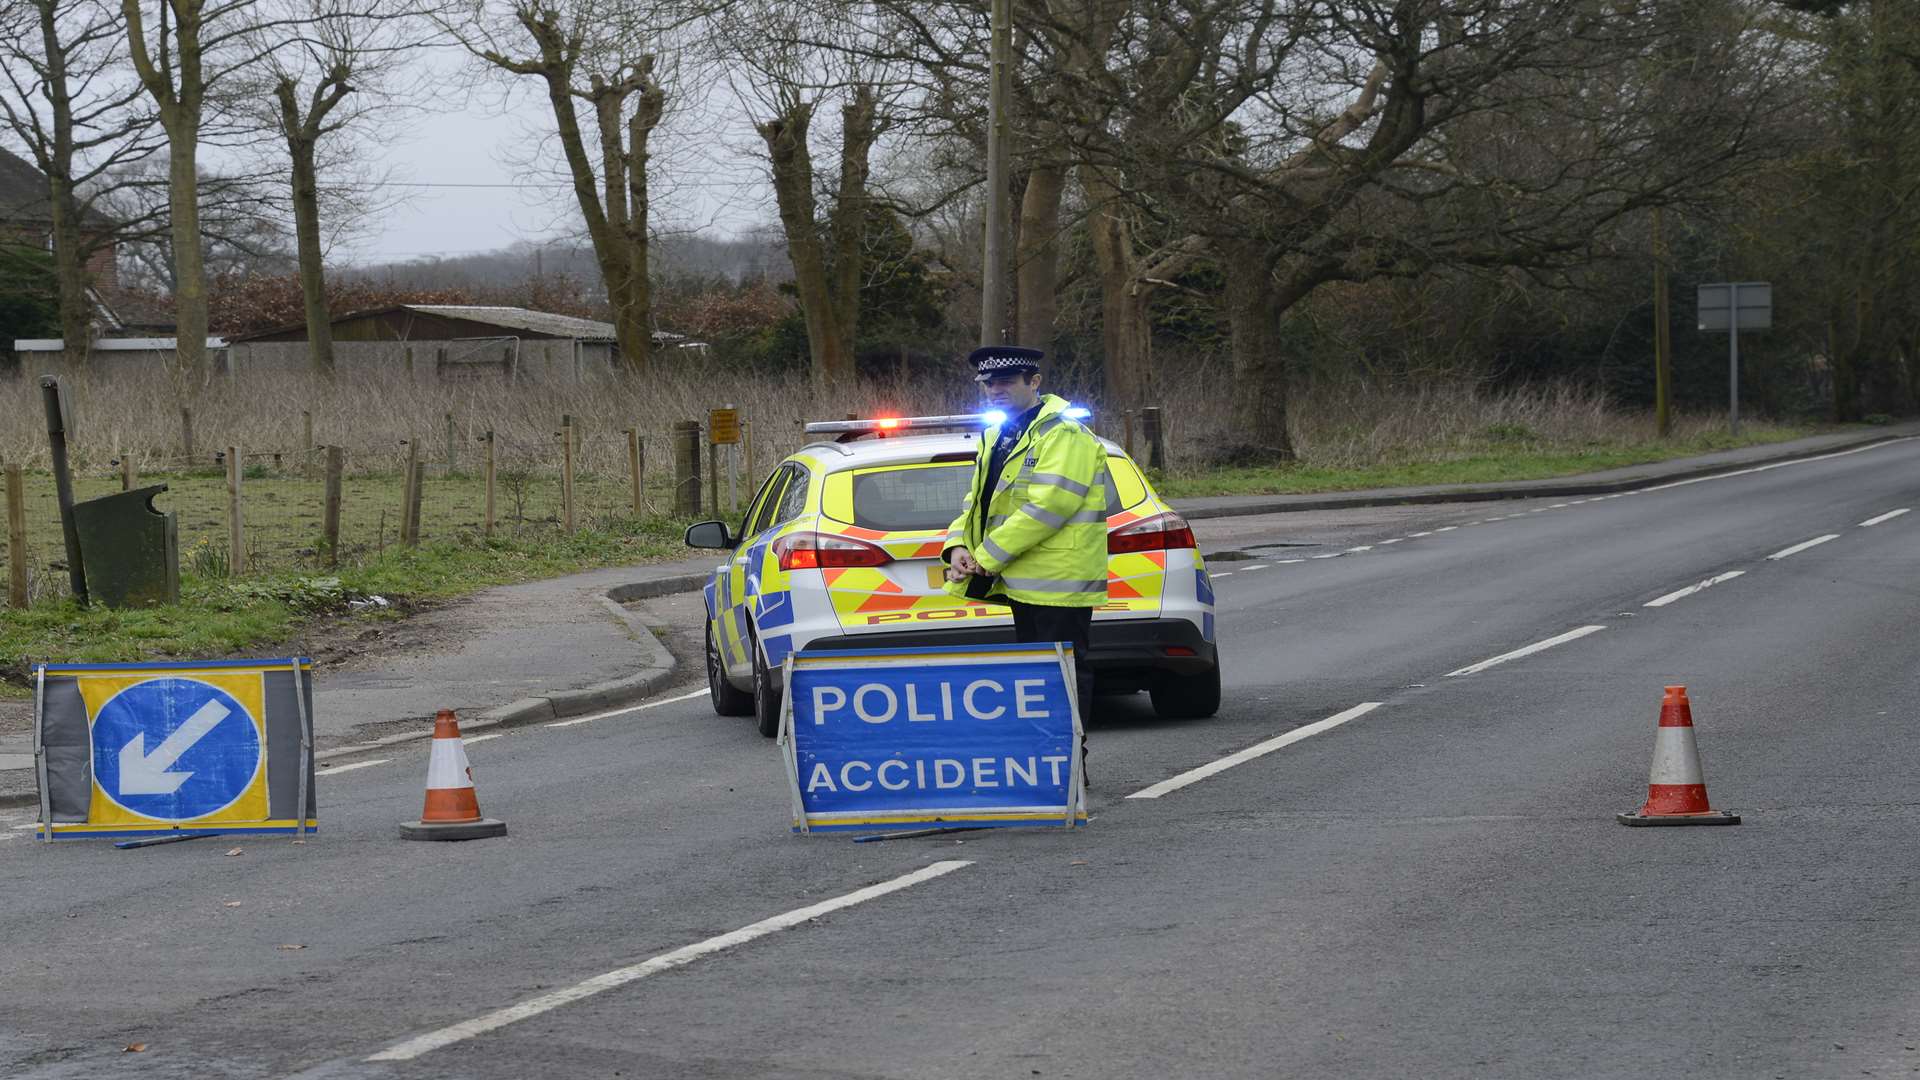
{"x": 186, "y": 436}
{"x": 746, "y": 451}
{"x": 330, "y": 523}
{"x": 1155, "y": 436}
{"x": 566, "y": 473}
{"x": 486, "y": 527}
{"x": 236, "y": 535}
{"x": 128, "y": 474}
{"x": 419, "y": 496}
{"x": 633, "y": 466}
{"x": 16, "y": 537}
{"x": 686, "y": 468}
{"x": 451, "y": 459}
{"x": 306, "y": 429}
{"x": 406, "y": 491}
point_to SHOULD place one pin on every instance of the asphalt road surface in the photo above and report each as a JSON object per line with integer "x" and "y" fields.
{"x": 1434, "y": 886}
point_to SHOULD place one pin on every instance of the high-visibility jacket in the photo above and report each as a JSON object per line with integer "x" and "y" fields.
{"x": 1043, "y": 528}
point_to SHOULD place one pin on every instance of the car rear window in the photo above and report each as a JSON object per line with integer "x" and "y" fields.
{"x": 918, "y": 499}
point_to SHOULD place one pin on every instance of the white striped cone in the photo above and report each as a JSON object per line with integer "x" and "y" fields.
{"x": 1676, "y": 788}
{"x": 452, "y": 809}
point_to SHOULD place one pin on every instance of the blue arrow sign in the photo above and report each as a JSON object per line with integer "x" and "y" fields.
{"x": 174, "y": 749}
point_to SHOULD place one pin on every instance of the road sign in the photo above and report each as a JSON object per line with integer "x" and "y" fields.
{"x": 723, "y": 427}
{"x": 984, "y": 735}
{"x": 1752, "y": 299}
{"x": 210, "y": 747}
{"x": 1732, "y": 307}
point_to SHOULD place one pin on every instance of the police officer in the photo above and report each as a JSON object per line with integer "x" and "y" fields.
{"x": 1032, "y": 533}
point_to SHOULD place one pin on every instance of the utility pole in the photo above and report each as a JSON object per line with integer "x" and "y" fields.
{"x": 993, "y": 269}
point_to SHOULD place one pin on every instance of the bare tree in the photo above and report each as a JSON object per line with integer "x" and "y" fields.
{"x": 601, "y": 54}
{"x": 64, "y": 99}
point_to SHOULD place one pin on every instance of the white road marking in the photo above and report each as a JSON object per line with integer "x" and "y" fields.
{"x": 1418, "y": 535}
{"x": 1241, "y": 757}
{"x": 471, "y": 739}
{"x": 1395, "y": 540}
{"x": 1559, "y": 506}
{"x": 1446, "y": 528}
{"x": 1362, "y": 547}
{"x": 1775, "y": 465}
{"x": 1283, "y": 562}
{"x": 1538, "y": 510}
{"x": 628, "y": 709}
{"x": 1537, "y": 646}
{"x": 1888, "y": 516}
{"x": 1255, "y": 566}
{"x": 1802, "y": 546}
{"x": 447, "y": 1036}
{"x": 1697, "y": 586}
{"x": 335, "y": 770}
{"x": 1328, "y": 555}
{"x": 1220, "y": 575}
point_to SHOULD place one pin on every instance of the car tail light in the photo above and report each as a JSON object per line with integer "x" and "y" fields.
{"x": 811, "y": 550}
{"x": 1161, "y": 532}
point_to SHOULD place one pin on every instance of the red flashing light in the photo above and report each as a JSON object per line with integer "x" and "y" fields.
{"x": 888, "y": 423}
{"x": 1161, "y": 532}
{"x": 812, "y": 550}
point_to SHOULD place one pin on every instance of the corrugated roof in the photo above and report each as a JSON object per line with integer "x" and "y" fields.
{"x": 513, "y": 318}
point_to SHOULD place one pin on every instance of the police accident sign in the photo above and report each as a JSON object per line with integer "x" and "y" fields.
{"x": 975, "y": 735}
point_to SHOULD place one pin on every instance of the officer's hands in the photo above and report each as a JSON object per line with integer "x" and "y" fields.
{"x": 964, "y": 565}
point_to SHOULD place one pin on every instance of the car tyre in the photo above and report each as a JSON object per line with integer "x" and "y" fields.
{"x": 766, "y": 695}
{"x": 727, "y": 701}
{"x": 1187, "y": 697}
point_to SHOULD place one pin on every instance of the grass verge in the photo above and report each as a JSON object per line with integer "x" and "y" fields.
{"x": 1499, "y": 457}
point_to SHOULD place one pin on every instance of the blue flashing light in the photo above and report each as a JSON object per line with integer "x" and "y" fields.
{"x": 1076, "y": 412}
{"x": 994, "y": 417}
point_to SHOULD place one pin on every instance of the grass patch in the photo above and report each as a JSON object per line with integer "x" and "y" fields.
{"x": 1502, "y": 453}
{"x": 220, "y": 617}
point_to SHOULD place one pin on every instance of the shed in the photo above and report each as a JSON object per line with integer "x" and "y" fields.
{"x": 451, "y": 341}
{"x": 116, "y": 355}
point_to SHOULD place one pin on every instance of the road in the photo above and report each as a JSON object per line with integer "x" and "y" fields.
{"x": 1432, "y": 887}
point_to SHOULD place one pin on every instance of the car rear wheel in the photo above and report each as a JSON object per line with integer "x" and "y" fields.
{"x": 727, "y": 701}
{"x": 766, "y": 695}
{"x": 1187, "y": 697}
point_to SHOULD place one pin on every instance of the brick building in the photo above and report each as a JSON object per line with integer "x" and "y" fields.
{"x": 26, "y": 216}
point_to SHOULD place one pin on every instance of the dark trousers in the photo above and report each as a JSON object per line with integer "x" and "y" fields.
{"x": 1073, "y": 625}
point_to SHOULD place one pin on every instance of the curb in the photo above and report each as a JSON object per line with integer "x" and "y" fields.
{"x": 1543, "y": 489}
{"x": 657, "y": 671}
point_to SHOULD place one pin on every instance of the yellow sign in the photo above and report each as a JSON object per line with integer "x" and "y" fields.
{"x": 723, "y": 427}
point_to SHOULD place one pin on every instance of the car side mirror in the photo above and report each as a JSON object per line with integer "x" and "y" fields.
{"x": 711, "y": 534}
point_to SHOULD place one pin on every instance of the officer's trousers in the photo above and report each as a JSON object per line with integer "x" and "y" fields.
{"x": 1073, "y": 625}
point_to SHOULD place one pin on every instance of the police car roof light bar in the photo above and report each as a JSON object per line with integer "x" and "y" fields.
{"x": 892, "y": 425}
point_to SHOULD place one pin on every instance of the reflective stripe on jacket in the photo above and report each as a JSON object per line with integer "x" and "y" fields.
{"x": 1044, "y": 527}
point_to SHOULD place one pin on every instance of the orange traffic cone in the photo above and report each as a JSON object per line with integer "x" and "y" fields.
{"x": 1676, "y": 790}
{"x": 452, "y": 811}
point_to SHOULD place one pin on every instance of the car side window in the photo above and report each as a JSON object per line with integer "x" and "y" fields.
{"x": 795, "y": 500}
{"x": 760, "y": 515}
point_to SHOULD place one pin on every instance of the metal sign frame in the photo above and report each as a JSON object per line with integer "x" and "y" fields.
{"x": 1730, "y": 307}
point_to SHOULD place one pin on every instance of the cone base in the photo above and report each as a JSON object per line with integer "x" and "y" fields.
{"x": 483, "y": 829}
{"x": 1711, "y": 817}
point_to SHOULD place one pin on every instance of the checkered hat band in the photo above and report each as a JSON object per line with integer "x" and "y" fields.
{"x": 1002, "y": 363}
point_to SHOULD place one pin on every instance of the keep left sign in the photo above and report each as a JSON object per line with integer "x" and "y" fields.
{"x": 973, "y": 735}
{"x": 198, "y": 747}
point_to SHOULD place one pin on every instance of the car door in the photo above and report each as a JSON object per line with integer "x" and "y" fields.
{"x": 731, "y": 615}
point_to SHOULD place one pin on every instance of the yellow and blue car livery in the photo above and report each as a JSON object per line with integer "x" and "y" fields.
{"x": 840, "y": 548}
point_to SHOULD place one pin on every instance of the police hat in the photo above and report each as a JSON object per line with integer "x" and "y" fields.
{"x": 991, "y": 360}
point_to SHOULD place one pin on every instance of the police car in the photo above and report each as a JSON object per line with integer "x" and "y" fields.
{"x": 840, "y": 549}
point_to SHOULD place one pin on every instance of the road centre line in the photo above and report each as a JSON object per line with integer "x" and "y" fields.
{"x": 1888, "y": 516}
{"x": 335, "y": 770}
{"x": 628, "y": 709}
{"x": 1395, "y": 540}
{"x": 1228, "y": 573}
{"x": 1418, "y": 535}
{"x": 1538, "y": 646}
{"x": 1697, "y": 586}
{"x": 447, "y": 1036}
{"x": 1802, "y": 546}
{"x": 471, "y": 739}
{"x": 1774, "y": 465}
{"x": 1260, "y": 749}
{"x": 1255, "y": 566}
{"x": 1446, "y": 528}
{"x": 1283, "y": 562}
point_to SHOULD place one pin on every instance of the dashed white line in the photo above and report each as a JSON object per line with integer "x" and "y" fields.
{"x": 628, "y": 709}
{"x": 1802, "y": 546}
{"x": 1357, "y": 550}
{"x": 447, "y": 1036}
{"x": 471, "y": 739}
{"x": 1229, "y": 573}
{"x": 1284, "y": 562}
{"x": 1446, "y": 528}
{"x": 1765, "y": 468}
{"x": 335, "y": 770}
{"x": 1328, "y": 555}
{"x": 1395, "y": 540}
{"x": 1537, "y": 646}
{"x": 1697, "y": 586}
{"x": 1241, "y": 757}
{"x": 1888, "y": 516}
{"x": 1418, "y": 535}
{"x": 1559, "y": 506}
{"x": 1255, "y": 566}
